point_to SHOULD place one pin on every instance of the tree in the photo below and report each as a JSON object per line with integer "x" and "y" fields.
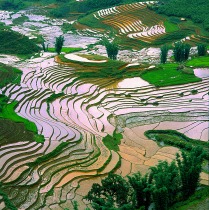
{"x": 115, "y": 192}
{"x": 190, "y": 166}
{"x": 201, "y": 49}
{"x": 141, "y": 186}
{"x": 181, "y": 51}
{"x": 163, "y": 54}
{"x": 58, "y": 44}
{"x": 187, "y": 48}
{"x": 166, "y": 182}
{"x": 111, "y": 48}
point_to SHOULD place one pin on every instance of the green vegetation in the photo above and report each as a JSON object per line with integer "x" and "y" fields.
{"x": 66, "y": 49}
{"x": 177, "y": 139}
{"x": 196, "y": 10}
{"x": 16, "y": 43}
{"x": 112, "y": 193}
{"x": 181, "y": 52}
{"x": 164, "y": 53}
{"x": 165, "y": 185}
{"x": 170, "y": 27}
{"x": 49, "y": 156}
{"x": 54, "y": 96}
{"x": 8, "y": 203}
{"x": 59, "y": 44}
{"x": 193, "y": 201}
{"x": 202, "y": 49}
{"x": 202, "y": 61}
{"x": 111, "y": 48}
{"x": 167, "y": 74}
{"x": 112, "y": 142}
{"x": 7, "y": 112}
{"x": 9, "y": 74}
{"x": 190, "y": 167}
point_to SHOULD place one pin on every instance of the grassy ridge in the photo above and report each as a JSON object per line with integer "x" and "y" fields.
{"x": 9, "y": 74}
{"x": 167, "y": 75}
{"x": 7, "y": 111}
{"x": 16, "y": 44}
{"x": 177, "y": 139}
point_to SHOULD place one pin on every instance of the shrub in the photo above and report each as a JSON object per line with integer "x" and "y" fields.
{"x": 111, "y": 48}
{"x": 181, "y": 51}
{"x": 201, "y": 49}
{"x": 58, "y": 44}
{"x": 163, "y": 54}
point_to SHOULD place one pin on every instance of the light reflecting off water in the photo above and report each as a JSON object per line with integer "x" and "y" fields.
{"x": 132, "y": 83}
{"x": 201, "y": 72}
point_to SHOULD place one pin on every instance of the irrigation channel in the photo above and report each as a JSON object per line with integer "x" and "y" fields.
{"x": 81, "y": 117}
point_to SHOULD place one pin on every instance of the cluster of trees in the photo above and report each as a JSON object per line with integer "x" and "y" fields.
{"x": 111, "y": 48}
{"x": 86, "y": 6}
{"x": 181, "y": 51}
{"x": 197, "y": 10}
{"x": 166, "y": 184}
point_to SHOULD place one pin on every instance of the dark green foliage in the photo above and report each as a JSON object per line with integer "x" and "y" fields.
{"x": 201, "y": 49}
{"x": 141, "y": 186}
{"x": 200, "y": 195}
{"x": 194, "y": 92}
{"x": 181, "y": 51}
{"x": 111, "y": 48}
{"x": 190, "y": 166}
{"x": 187, "y": 48}
{"x": 163, "y": 54}
{"x": 11, "y": 4}
{"x": 160, "y": 198}
{"x": 61, "y": 12}
{"x": 59, "y": 44}
{"x": 9, "y": 205}
{"x": 54, "y": 96}
{"x": 174, "y": 138}
{"x": 115, "y": 192}
{"x": 45, "y": 47}
{"x": 16, "y": 43}
{"x": 75, "y": 205}
{"x": 196, "y": 10}
{"x": 8, "y": 75}
{"x": 166, "y": 183}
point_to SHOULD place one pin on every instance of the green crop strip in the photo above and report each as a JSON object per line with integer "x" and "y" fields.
{"x": 177, "y": 139}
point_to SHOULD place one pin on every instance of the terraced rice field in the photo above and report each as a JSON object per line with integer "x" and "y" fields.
{"x": 137, "y": 25}
{"x": 53, "y": 174}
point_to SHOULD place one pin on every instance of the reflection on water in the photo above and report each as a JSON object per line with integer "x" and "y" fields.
{"x": 128, "y": 83}
{"x": 201, "y": 72}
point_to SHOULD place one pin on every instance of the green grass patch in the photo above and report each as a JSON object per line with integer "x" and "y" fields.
{"x": 193, "y": 201}
{"x": 9, "y": 113}
{"x": 66, "y": 49}
{"x": 177, "y": 139}
{"x": 202, "y": 61}
{"x": 167, "y": 74}
{"x": 170, "y": 27}
{"x": 112, "y": 142}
